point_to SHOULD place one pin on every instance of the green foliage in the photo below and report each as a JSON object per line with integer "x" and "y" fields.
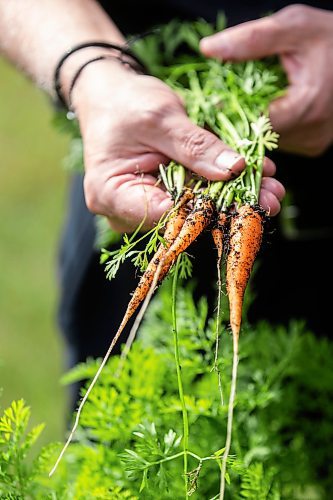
{"x": 256, "y": 485}
{"x": 174, "y": 43}
{"x": 18, "y": 473}
{"x": 137, "y": 247}
{"x": 129, "y": 443}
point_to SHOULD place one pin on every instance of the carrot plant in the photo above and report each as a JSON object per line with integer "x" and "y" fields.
{"x": 232, "y": 101}
{"x": 130, "y": 445}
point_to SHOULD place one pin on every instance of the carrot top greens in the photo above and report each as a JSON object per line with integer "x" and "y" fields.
{"x": 231, "y": 99}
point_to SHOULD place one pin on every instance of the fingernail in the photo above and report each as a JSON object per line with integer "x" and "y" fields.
{"x": 228, "y": 159}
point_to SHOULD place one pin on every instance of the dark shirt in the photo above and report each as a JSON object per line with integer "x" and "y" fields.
{"x": 132, "y": 16}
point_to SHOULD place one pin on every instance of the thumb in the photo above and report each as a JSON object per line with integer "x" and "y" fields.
{"x": 250, "y": 40}
{"x": 198, "y": 149}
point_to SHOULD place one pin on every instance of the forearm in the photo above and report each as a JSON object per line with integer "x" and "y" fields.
{"x": 34, "y": 34}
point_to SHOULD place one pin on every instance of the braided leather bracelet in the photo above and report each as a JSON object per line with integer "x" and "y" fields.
{"x": 131, "y": 59}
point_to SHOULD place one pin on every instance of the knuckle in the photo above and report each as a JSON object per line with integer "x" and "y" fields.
{"x": 195, "y": 143}
{"x": 149, "y": 117}
{"x": 297, "y": 16}
{"x": 155, "y": 113}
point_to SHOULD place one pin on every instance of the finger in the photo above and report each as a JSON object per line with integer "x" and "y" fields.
{"x": 135, "y": 163}
{"x": 269, "y": 167}
{"x": 130, "y": 200}
{"x": 273, "y": 186}
{"x": 269, "y": 202}
{"x": 250, "y": 40}
{"x": 199, "y": 150}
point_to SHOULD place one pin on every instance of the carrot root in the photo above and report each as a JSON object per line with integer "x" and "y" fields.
{"x": 218, "y": 233}
{"x": 144, "y": 289}
{"x": 231, "y": 405}
{"x": 197, "y": 220}
{"x": 246, "y": 229}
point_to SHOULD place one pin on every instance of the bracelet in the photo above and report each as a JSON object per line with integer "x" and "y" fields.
{"x": 123, "y": 50}
{"x": 71, "y": 113}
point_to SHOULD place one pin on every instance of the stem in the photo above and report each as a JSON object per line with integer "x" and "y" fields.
{"x": 215, "y": 189}
{"x": 179, "y": 180}
{"x": 258, "y": 174}
{"x": 230, "y": 128}
{"x": 19, "y": 473}
{"x": 217, "y": 331}
{"x": 182, "y": 69}
{"x": 242, "y": 115}
{"x": 164, "y": 177}
{"x": 230, "y": 414}
{"x": 177, "y": 455}
{"x": 179, "y": 378}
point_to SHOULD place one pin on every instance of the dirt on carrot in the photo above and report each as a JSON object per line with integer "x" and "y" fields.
{"x": 219, "y": 233}
{"x": 246, "y": 230}
{"x": 196, "y": 221}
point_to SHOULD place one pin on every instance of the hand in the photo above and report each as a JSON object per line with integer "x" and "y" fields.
{"x": 303, "y": 38}
{"x": 130, "y": 124}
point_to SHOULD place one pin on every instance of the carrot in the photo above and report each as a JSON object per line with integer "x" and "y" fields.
{"x": 182, "y": 229}
{"x": 173, "y": 228}
{"x": 218, "y": 233}
{"x": 147, "y": 282}
{"x": 196, "y": 221}
{"x": 246, "y": 231}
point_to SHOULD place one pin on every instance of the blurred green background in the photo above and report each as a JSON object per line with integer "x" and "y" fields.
{"x": 32, "y": 205}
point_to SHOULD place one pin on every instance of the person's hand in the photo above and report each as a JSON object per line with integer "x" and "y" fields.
{"x": 303, "y": 38}
{"x": 130, "y": 124}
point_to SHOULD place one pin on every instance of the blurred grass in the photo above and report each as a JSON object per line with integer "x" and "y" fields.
{"x": 32, "y": 200}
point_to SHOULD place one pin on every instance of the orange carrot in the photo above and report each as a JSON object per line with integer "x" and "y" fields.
{"x": 172, "y": 229}
{"x": 218, "y": 233}
{"x": 147, "y": 281}
{"x": 197, "y": 220}
{"x": 246, "y": 230}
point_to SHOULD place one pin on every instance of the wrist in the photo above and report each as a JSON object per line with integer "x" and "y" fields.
{"x": 97, "y": 83}
{"x": 73, "y": 63}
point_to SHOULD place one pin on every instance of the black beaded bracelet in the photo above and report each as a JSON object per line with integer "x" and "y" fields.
{"x": 123, "y": 50}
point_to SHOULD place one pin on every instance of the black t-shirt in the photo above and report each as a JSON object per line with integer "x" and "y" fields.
{"x": 133, "y": 16}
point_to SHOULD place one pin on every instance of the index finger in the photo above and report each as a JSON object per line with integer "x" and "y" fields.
{"x": 249, "y": 40}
